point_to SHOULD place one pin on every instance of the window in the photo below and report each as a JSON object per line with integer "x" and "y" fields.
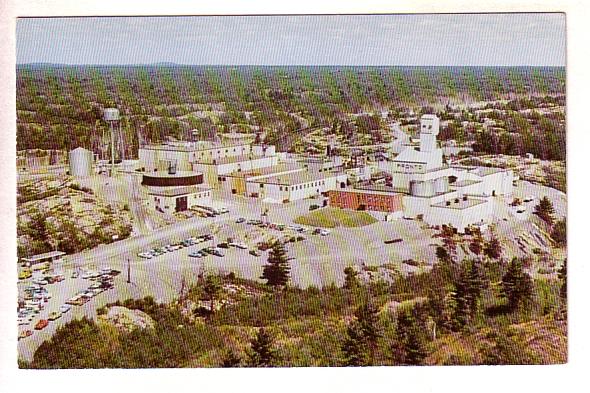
{"x": 281, "y": 188}
{"x": 261, "y": 185}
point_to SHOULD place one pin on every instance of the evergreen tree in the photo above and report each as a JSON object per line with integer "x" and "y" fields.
{"x": 411, "y": 346}
{"x": 355, "y": 348}
{"x": 517, "y": 285}
{"x": 212, "y": 288}
{"x": 545, "y": 210}
{"x": 493, "y": 249}
{"x": 261, "y": 352}
{"x": 276, "y": 273}
{"x": 350, "y": 278}
{"x": 443, "y": 255}
{"x": 362, "y": 335}
{"x": 563, "y": 278}
{"x": 468, "y": 290}
{"x": 559, "y": 233}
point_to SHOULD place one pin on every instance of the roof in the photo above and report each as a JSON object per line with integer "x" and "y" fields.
{"x": 297, "y": 177}
{"x": 375, "y": 191}
{"x": 190, "y": 147}
{"x": 412, "y": 155}
{"x": 47, "y": 255}
{"x": 175, "y": 191}
{"x": 169, "y": 175}
{"x": 470, "y": 202}
{"x": 231, "y": 160}
{"x": 465, "y": 183}
{"x": 268, "y": 171}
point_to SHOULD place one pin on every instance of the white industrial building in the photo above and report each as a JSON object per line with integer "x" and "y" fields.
{"x": 441, "y": 194}
{"x": 295, "y": 185}
{"x": 211, "y": 159}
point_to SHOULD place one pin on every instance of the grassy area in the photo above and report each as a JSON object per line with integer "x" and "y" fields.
{"x": 329, "y": 217}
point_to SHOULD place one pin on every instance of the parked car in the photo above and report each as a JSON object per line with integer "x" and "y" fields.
{"x": 75, "y": 274}
{"x": 393, "y": 241}
{"x": 25, "y": 334}
{"x": 223, "y": 245}
{"x": 65, "y": 308}
{"x": 256, "y": 253}
{"x": 54, "y": 315}
{"x": 196, "y": 254}
{"x": 313, "y": 207}
{"x": 41, "y": 324}
{"x": 240, "y": 220}
{"x": 240, "y": 245}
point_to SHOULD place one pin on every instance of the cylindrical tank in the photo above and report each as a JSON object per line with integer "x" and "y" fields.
{"x": 80, "y": 162}
{"x": 421, "y": 188}
{"x": 441, "y": 185}
{"x": 111, "y": 114}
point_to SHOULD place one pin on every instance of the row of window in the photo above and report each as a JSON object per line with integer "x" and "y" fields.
{"x": 219, "y": 151}
{"x": 301, "y": 186}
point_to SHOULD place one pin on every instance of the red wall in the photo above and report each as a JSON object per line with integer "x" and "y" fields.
{"x": 374, "y": 202}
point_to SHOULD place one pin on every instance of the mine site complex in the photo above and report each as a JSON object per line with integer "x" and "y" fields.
{"x": 112, "y": 220}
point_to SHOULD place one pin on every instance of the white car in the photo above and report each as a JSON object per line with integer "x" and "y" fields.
{"x": 65, "y": 308}
{"x": 240, "y": 245}
{"x": 324, "y": 232}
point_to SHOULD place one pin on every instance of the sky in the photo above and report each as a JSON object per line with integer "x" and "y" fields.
{"x": 427, "y": 39}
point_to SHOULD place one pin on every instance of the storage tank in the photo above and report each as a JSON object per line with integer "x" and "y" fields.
{"x": 421, "y": 188}
{"x": 441, "y": 185}
{"x": 80, "y": 162}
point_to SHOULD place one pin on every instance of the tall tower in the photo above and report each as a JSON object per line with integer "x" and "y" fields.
{"x": 111, "y": 115}
{"x": 429, "y": 128}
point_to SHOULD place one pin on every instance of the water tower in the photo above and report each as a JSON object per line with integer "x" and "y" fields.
{"x": 111, "y": 116}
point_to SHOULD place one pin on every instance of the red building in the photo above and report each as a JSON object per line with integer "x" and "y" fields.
{"x": 366, "y": 200}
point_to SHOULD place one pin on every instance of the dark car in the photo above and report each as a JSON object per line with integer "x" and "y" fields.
{"x": 393, "y": 241}
{"x": 223, "y": 245}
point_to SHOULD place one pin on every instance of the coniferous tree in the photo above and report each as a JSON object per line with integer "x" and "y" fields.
{"x": 261, "y": 352}
{"x": 493, "y": 248}
{"x": 355, "y": 347}
{"x": 443, "y": 255}
{"x": 276, "y": 273}
{"x": 362, "y": 335}
{"x": 411, "y": 346}
{"x": 545, "y": 210}
{"x": 350, "y": 278}
{"x": 563, "y": 278}
{"x": 212, "y": 288}
{"x": 559, "y": 233}
{"x": 468, "y": 290}
{"x": 517, "y": 285}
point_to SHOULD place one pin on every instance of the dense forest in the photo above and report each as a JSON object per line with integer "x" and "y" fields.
{"x": 60, "y": 107}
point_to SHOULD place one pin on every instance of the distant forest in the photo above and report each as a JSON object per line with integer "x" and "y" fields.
{"x": 60, "y": 107}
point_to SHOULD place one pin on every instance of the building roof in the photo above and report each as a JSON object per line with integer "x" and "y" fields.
{"x": 268, "y": 171}
{"x": 412, "y": 155}
{"x": 375, "y": 191}
{"x": 190, "y": 147}
{"x": 470, "y": 202}
{"x": 175, "y": 191}
{"x": 293, "y": 178}
{"x": 165, "y": 174}
{"x": 465, "y": 183}
{"x": 47, "y": 255}
{"x": 231, "y": 160}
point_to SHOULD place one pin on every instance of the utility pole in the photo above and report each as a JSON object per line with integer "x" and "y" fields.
{"x": 128, "y": 271}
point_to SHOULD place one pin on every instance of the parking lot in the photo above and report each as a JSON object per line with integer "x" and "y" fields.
{"x": 317, "y": 259}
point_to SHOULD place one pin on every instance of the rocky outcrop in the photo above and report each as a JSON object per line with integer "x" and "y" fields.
{"x": 127, "y": 320}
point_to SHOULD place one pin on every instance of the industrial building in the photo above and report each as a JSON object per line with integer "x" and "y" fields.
{"x": 172, "y": 191}
{"x": 433, "y": 191}
{"x": 211, "y": 159}
{"x": 372, "y": 200}
{"x": 295, "y": 185}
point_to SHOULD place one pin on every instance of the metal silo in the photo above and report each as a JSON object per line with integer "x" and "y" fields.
{"x": 421, "y": 188}
{"x": 80, "y": 162}
{"x": 441, "y": 185}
